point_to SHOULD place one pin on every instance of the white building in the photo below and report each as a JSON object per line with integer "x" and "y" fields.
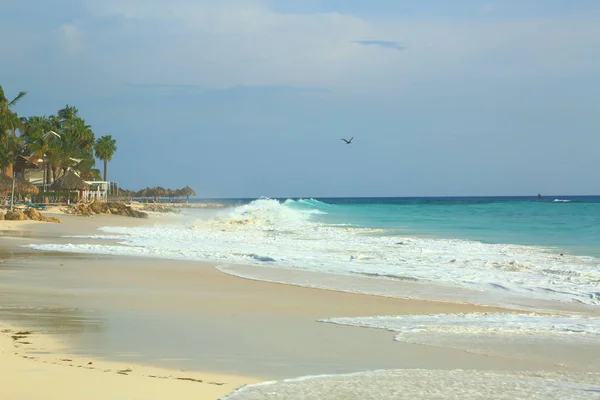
{"x": 98, "y": 191}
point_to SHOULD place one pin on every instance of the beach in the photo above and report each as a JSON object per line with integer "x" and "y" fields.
{"x": 147, "y": 327}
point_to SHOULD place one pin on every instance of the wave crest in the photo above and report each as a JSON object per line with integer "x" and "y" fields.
{"x": 266, "y": 213}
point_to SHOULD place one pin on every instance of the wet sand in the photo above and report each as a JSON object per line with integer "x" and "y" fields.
{"x": 188, "y": 315}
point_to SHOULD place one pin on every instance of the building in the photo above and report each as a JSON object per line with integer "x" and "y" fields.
{"x": 98, "y": 191}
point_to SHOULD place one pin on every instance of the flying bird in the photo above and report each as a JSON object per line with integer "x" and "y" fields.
{"x": 348, "y": 141}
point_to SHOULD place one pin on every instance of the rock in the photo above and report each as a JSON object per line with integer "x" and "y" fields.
{"x": 51, "y": 219}
{"x": 1, "y": 216}
{"x": 33, "y": 214}
{"x": 99, "y": 208}
{"x": 139, "y": 214}
{"x": 160, "y": 208}
{"x": 113, "y": 208}
{"x": 15, "y": 216}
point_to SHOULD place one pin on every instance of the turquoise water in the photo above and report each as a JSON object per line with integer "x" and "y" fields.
{"x": 510, "y": 249}
{"x": 562, "y": 222}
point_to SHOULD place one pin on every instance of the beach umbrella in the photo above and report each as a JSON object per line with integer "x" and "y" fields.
{"x": 23, "y": 186}
{"x": 69, "y": 181}
{"x": 160, "y": 191}
{"x": 143, "y": 193}
{"x": 188, "y": 191}
{"x": 5, "y": 184}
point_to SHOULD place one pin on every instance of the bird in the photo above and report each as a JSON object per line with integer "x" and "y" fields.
{"x": 348, "y": 141}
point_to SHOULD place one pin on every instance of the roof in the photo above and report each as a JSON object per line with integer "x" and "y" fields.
{"x": 69, "y": 181}
{"x": 21, "y": 186}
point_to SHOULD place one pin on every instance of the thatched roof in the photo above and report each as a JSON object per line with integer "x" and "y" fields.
{"x": 159, "y": 191}
{"x": 69, "y": 181}
{"x": 143, "y": 193}
{"x": 5, "y": 184}
{"x": 23, "y": 186}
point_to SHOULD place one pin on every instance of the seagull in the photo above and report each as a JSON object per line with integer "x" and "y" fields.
{"x": 348, "y": 141}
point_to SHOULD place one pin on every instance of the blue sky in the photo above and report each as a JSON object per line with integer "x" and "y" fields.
{"x": 248, "y": 98}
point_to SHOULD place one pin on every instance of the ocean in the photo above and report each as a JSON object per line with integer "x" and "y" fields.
{"x": 538, "y": 256}
{"x": 494, "y": 251}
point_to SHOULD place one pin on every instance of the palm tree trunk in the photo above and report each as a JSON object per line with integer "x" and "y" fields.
{"x": 105, "y": 164}
{"x": 47, "y": 166}
{"x": 10, "y": 170}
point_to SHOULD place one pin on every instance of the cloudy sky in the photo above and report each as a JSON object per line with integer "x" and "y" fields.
{"x": 248, "y": 98}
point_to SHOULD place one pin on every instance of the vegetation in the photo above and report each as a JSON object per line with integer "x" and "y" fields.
{"x": 10, "y": 122}
{"x": 63, "y": 141}
{"x": 158, "y": 192}
{"x": 105, "y": 148}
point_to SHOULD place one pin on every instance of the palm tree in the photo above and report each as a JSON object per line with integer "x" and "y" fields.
{"x": 105, "y": 148}
{"x": 40, "y": 140}
{"x": 9, "y": 123}
{"x": 5, "y": 105}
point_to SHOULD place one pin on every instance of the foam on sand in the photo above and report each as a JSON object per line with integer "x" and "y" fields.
{"x": 551, "y": 338}
{"x": 428, "y": 384}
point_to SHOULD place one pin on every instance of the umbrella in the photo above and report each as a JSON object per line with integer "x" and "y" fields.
{"x": 143, "y": 193}
{"x": 69, "y": 181}
{"x": 5, "y": 184}
{"x": 160, "y": 191}
{"x": 23, "y": 186}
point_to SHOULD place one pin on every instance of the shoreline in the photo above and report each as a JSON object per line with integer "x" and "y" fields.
{"x": 35, "y": 363}
{"x": 32, "y": 363}
{"x": 288, "y": 315}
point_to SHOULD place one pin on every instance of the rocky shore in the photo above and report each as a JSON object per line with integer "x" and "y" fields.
{"x": 159, "y": 208}
{"x": 28, "y": 214}
{"x": 111, "y": 208}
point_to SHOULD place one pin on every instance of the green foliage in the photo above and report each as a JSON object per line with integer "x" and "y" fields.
{"x": 63, "y": 141}
{"x": 105, "y": 147}
{"x": 10, "y": 148}
{"x": 9, "y": 124}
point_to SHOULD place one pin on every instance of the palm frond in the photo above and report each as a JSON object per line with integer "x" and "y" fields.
{"x": 16, "y": 99}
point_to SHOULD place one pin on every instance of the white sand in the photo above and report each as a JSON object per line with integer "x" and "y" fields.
{"x": 60, "y": 376}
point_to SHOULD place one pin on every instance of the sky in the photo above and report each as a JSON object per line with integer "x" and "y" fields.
{"x": 250, "y": 98}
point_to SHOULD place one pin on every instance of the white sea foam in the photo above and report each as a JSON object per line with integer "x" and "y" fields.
{"x": 269, "y": 233}
{"x": 428, "y": 384}
{"x": 482, "y": 323}
{"x": 561, "y": 201}
{"x": 544, "y": 338}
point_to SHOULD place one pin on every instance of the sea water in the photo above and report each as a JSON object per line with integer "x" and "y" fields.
{"x": 522, "y": 253}
{"x": 500, "y": 248}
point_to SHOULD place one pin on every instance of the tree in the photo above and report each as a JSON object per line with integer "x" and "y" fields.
{"x": 40, "y": 140}
{"x": 9, "y": 123}
{"x": 105, "y": 148}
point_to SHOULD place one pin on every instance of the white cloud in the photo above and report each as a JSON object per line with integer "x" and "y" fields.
{"x": 71, "y": 38}
{"x": 243, "y": 42}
